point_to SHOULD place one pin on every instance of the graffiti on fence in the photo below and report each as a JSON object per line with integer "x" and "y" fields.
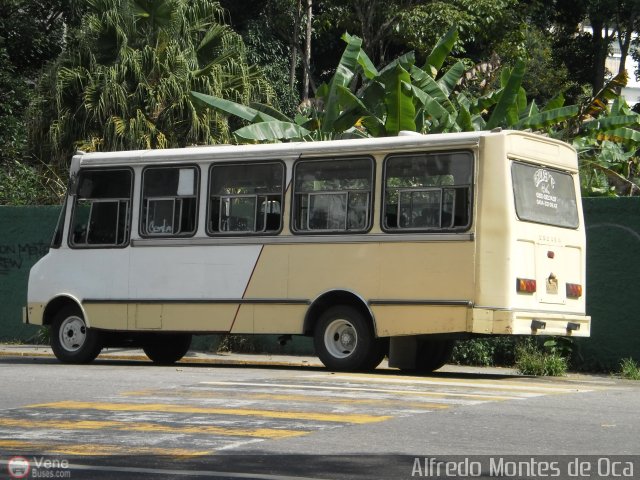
{"x": 20, "y": 256}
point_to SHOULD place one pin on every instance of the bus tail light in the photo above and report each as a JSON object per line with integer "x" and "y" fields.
{"x": 524, "y": 285}
{"x": 574, "y": 290}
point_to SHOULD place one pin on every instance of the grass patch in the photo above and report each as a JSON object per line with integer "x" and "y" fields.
{"x": 629, "y": 369}
{"x": 531, "y": 360}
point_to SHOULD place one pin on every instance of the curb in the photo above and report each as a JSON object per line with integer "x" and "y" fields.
{"x": 212, "y": 359}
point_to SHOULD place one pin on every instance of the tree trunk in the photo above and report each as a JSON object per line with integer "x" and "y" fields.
{"x": 599, "y": 55}
{"x": 294, "y": 45}
{"x": 307, "y": 52}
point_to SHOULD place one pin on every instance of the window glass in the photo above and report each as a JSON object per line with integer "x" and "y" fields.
{"x": 246, "y": 198}
{"x": 169, "y": 201}
{"x": 333, "y": 195}
{"x": 101, "y": 208}
{"x": 430, "y": 192}
{"x": 544, "y": 195}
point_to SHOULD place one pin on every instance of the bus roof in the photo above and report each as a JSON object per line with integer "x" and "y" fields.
{"x": 224, "y": 152}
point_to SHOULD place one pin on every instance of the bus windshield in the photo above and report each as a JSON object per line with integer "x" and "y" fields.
{"x": 544, "y": 195}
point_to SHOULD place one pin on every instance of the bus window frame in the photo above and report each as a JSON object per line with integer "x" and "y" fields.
{"x": 58, "y": 233}
{"x": 128, "y": 221}
{"x": 471, "y": 187}
{"x": 241, "y": 233}
{"x": 141, "y": 217}
{"x": 370, "y": 193}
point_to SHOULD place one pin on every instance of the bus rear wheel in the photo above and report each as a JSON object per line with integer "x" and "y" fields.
{"x": 344, "y": 340}
{"x": 71, "y": 340}
{"x": 167, "y": 349}
{"x": 433, "y": 354}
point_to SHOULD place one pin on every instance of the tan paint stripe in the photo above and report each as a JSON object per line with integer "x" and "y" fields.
{"x": 161, "y": 407}
{"x": 21, "y": 446}
{"x": 310, "y": 398}
{"x": 149, "y": 427}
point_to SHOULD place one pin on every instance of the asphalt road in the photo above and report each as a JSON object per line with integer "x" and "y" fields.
{"x": 130, "y": 419}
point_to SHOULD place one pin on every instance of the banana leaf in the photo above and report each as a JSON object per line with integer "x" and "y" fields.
{"x": 272, "y": 131}
{"x": 232, "y": 108}
{"x": 547, "y": 118}
{"x": 269, "y": 110}
{"x": 343, "y": 76}
{"x": 426, "y": 83}
{"x": 450, "y": 79}
{"x": 398, "y": 100}
{"x": 443, "y": 48}
{"x": 610, "y": 123}
{"x": 509, "y": 96}
{"x": 620, "y": 135}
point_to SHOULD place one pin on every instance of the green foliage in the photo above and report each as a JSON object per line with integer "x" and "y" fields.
{"x": 127, "y": 84}
{"x": 531, "y": 360}
{"x": 562, "y": 346}
{"x": 629, "y": 369}
{"x": 23, "y": 184}
{"x": 485, "y": 352}
{"x": 15, "y": 96}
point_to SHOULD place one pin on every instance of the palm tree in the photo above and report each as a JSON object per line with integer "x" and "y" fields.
{"x": 125, "y": 82}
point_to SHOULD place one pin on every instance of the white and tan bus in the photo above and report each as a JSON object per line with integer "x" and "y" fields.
{"x": 390, "y": 246}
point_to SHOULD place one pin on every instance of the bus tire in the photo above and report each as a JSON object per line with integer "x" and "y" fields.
{"x": 167, "y": 349}
{"x": 433, "y": 354}
{"x": 70, "y": 338}
{"x": 344, "y": 340}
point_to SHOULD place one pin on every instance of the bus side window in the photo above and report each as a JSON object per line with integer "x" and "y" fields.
{"x": 169, "y": 201}
{"x": 101, "y": 209}
{"x": 332, "y": 195}
{"x": 428, "y": 192}
{"x": 245, "y": 198}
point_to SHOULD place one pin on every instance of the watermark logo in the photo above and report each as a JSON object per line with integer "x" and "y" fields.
{"x": 18, "y": 467}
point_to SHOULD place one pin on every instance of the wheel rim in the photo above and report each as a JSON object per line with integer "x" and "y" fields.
{"x": 73, "y": 333}
{"x": 340, "y": 338}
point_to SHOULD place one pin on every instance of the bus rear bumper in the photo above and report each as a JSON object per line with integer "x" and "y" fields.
{"x": 513, "y": 322}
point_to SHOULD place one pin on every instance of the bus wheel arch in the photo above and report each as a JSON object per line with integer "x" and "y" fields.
{"x": 72, "y": 341}
{"x": 56, "y": 304}
{"x": 343, "y": 331}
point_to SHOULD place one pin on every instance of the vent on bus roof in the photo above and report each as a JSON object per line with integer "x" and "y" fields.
{"x": 408, "y": 133}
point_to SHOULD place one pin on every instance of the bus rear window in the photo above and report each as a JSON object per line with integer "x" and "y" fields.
{"x": 544, "y": 195}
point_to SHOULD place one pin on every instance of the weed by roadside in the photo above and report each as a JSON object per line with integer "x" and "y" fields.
{"x": 629, "y": 369}
{"x": 532, "y": 360}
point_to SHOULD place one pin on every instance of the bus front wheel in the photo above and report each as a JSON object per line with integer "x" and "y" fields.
{"x": 167, "y": 349}
{"x": 71, "y": 340}
{"x": 344, "y": 340}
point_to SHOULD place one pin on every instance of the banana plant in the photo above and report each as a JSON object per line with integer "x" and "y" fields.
{"x": 267, "y": 124}
{"x": 401, "y": 96}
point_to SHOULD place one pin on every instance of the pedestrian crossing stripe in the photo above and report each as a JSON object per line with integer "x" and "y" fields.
{"x": 149, "y": 427}
{"x": 172, "y": 408}
{"x": 368, "y": 389}
{"x": 52, "y": 447}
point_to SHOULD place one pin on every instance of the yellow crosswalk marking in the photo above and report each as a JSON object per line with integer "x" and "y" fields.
{"x": 148, "y": 427}
{"x": 23, "y": 446}
{"x": 171, "y": 408}
{"x": 309, "y": 398}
